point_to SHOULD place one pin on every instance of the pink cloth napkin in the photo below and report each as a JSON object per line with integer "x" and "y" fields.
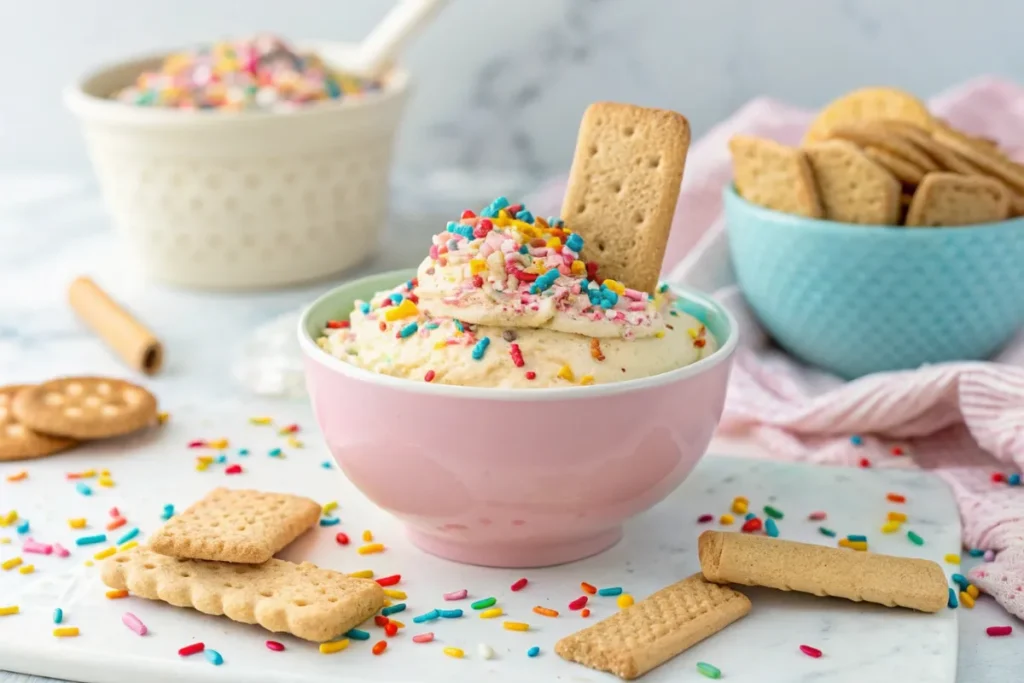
{"x": 964, "y": 421}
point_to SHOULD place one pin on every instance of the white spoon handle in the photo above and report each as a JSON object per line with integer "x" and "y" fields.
{"x": 379, "y": 48}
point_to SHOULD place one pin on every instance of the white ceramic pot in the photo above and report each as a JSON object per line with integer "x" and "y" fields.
{"x": 240, "y": 200}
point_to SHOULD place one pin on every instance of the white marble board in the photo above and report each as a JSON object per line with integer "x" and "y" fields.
{"x": 860, "y": 642}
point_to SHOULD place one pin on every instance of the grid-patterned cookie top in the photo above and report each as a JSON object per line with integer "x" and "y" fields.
{"x": 85, "y": 407}
{"x": 302, "y": 599}
{"x": 236, "y": 526}
{"x": 18, "y": 441}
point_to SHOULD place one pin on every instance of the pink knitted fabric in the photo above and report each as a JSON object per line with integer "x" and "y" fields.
{"x": 964, "y": 421}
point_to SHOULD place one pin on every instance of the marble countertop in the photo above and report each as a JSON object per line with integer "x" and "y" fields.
{"x": 54, "y": 228}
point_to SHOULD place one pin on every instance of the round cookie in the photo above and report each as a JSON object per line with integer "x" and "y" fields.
{"x": 85, "y": 407}
{"x": 18, "y": 442}
{"x": 869, "y": 104}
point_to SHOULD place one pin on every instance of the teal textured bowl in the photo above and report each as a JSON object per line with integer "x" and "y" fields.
{"x": 856, "y": 299}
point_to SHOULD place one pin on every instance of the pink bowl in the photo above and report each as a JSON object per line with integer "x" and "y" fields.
{"x": 507, "y": 477}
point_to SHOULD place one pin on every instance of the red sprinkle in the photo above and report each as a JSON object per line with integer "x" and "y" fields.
{"x": 290, "y": 429}
{"x": 382, "y": 326}
{"x": 196, "y": 444}
{"x": 275, "y": 646}
{"x": 520, "y": 584}
{"x": 810, "y": 651}
{"x": 864, "y": 462}
{"x": 591, "y": 270}
{"x": 389, "y": 580}
{"x": 530, "y": 374}
{"x": 478, "y": 281}
{"x": 704, "y": 519}
{"x": 578, "y": 603}
{"x": 896, "y": 450}
{"x": 517, "y": 355}
{"x": 114, "y": 512}
{"x": 751, "y": 525}
{"x": 999, "y": 630}
{"x": 817, "y": 516}
{"x": 191, "y": 649}
{"x": 469, "y": 214}
{"x": 337, "y": 324}
{"x": 73, "y": 475}
{"x": 380, "y": 647}
{"x": 429, "y": 377}
{"x": 233, "y": 469}
{"x": 381, "y": 620}
{"x": 996, "y": 477}
{"x": 587, "y": 588}
{"x": 896, "y": 498}
{"x": 585, "y": 613}
{"x": 117, "y": 523}
{"x": 391, "y": 630}
{"x": 341, "y": 538}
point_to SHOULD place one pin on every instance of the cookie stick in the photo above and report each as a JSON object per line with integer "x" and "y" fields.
{"x": 135, "y": 344}
{"x": 819, "y": 570}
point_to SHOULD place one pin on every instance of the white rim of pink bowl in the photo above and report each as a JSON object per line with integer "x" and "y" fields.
{"x": 91, "y": 106}
{"x": 315, "y": 353}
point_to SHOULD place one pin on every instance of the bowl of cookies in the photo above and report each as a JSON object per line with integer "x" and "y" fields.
{"x": 885, "y": 241}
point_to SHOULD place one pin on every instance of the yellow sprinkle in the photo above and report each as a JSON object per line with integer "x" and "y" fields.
{"x": 116, "y": 595}
{"x": 205, "y": 459}
{"x": 586, "y": 380}
{"x": 4, "y": 540}
{"x": 11, "y": 563}
{"x": 294, "y": 443}
{"x": 476, "y": 266}
{"x": 8, "y": 611}
{"x": 554, "y": 243}
{"x": 18, "y": 477}
{"x": 104, "y": 473}
{"x": 952, "y": 558}
{"x": 844, "y": 543}
{"x": 27, "y": 569}
{"x": 162, "y": 417}
{"x": 362, "y": 574}
{"x": 104, "y": 554}
{"x": 260, "y": 420}
{"x": 896, "y": 517}
{"x": 890, "y": 527}
{"x": 739, "y": 506}
{"x": 10, "y": 518}
{"x": 625, "y": 600}
{"x": 454, "y": 652}
{"x": 516, "y": 626}
{"x": 973, "y": 591}
{"x": 566, "y": 373}
{"x": 615, "y": 286}
{"x": 578, "y": 267}
{"x": 128, "y": 546}
{"x": 88, "y": 563}
{"x": 743, "y": 499}
{"x": 406, "y": 309}
{"x": 371, "y": 548}
{"x": 502, "y": 221}
{"x": 440, "y": 345}
{"x": 77, "y": 523}
{"x": 397, "y": 595}
{"x": 726, "y": 520}
{"x": 201, "y": 466}
{"x": 396, "y": 622}
{"x": 502, "y": 213}
{"x": 966, "y": 600}
{"x": 326, "y": 509}
{"x": 367, "y": 535}
{"x": 66, "y": 632}
{"x": 105, "y": 481}
{"x": 660, "y": 334}
{"x": 491, "y": 613}
{"x": 219, "y": 443}
{"x": 387, "y": 603}
{"x": 853, "y": 545}
{"x": 538, "y": 267}
{"x": 88, "y": 474}
{"x": 693, "y": 332}
{"x": 333, "y": 646}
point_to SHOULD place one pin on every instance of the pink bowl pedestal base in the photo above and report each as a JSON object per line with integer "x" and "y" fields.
{"x": 516, "y": 555}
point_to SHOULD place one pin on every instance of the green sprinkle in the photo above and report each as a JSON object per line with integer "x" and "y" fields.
{"x": 356, "y": 634}
{"x": 705, "y": 669}
{"x": 914, "y": 538}
{"x": 772, "y": 512}
{"x": 484, "y": 604}
{"x": 827, "y": 532}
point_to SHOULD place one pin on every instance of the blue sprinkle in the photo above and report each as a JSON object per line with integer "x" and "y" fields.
{"x": 356, "y": 634}
{"x": 396, "y": 298}
{"x": 451, "y": 613}
{"x": 749, "y": 515}
{"x": 1013, "y": 479}
{"x": 333, "y": 89}
{"x": 213, "y": 657}
{"x": 408, "y": 330}
{"x": 167, "y": 514}
{"x": 525, "y": 216}
{"x": 243, "y": 451}
{"x": 429, "y": 616}
{"x": 168, "y": 507}
{"x": 83, "y": 489}
{"x": 663, "y": 287}
{"x": 464, "y": 231}
{"x": 500, "y": 203}
{"x": 128, "y": 536}
{"x": 575, "y": 242}
{"x": 771, "y": 528}
{"x": 458, "y": 325}
{"x": 329, "y": 521}
{"x": 221, "y": 459}
{"x": 524, "y": 249}
{"x": 975, "y": 552}
{"x": 952, "y": 602}
{"x": 480, "y": 348}
{"x": 960, "y": 580}
{"x": 408, "y": 284}
{"x": 856, "y": 440}
{"x": 432, "y": 326}
{"x": 326, "y": 464}
{"x": 533, "y": 651}
{"x": 274, "y": 452}
{"x": 616, "y": 590}
{"x": 23, "y": 526}
{"x": 855, "y": 538}
{"x": 364, "y": 307}
{"x": 610, "y": 297}
{"x": 489, "y": 212}
{"x": 555, "y": 221}
{"x": 451, "y": 226}
{"x": 58, "y": 615}
{"x": 90, "y": 540}
{"x": 393, "y": 609}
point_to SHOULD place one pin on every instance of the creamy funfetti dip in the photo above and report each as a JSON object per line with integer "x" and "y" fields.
{"x": 503, "y": 300}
